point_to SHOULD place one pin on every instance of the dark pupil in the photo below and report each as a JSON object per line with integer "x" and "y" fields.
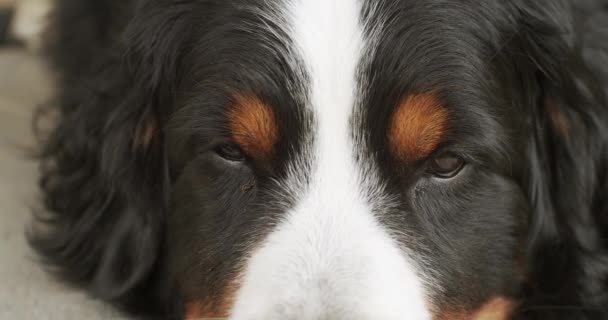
{"x": 447, "y": 164}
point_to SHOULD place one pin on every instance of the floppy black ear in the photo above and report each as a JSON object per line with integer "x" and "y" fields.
{"x": 104, "y": 175}
{"x": 568, "y": 154}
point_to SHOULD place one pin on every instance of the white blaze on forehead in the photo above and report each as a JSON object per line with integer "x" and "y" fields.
{"x": 330, "y": 258}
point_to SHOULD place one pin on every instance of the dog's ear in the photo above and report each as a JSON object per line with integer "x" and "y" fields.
{"x": 567, "y": 82}
{"x": 104, "y": 173}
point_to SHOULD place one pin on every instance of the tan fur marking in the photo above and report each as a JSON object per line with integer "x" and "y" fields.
{"x": 199, "y": 311}
{"x": 498, "y": 308}
{"x": 559, "y": 121}
{"x": 145, "y": 132}
{"x": 218, "y": 308}
{"x": 253, "y": 127}
{"x": 417, "y": 127}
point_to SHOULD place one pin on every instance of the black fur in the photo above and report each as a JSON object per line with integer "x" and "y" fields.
{"x": 126, "y": 68}
{"x": 105, "y": 236}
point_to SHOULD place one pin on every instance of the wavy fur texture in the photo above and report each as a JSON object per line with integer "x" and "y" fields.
{"x": 106, "y": 177}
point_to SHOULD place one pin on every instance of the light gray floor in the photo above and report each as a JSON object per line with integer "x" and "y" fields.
{"x": 26, "y": 292}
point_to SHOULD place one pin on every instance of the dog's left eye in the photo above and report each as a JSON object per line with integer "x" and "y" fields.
{"x": 446, "y": 165}
{"x": 230, "y": 152}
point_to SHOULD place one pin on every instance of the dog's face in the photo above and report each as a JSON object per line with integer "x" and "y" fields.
{"x": 317, "y": 159}
{"x": 347, "y": 160}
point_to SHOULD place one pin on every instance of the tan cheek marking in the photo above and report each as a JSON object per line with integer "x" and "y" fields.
{"x": 253, "y": 127}
{"x": 417, "y": 127}
{"x": 197, "y": 310}
{"x": 145, "y": 132}
{"x": 559, "y": 121}
{"x": 214, "y": 309}
{"x": 499, "y": 308}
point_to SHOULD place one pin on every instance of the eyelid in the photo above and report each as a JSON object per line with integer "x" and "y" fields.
{"x": 468, "y": 153}
{"x": 240, "y": 156}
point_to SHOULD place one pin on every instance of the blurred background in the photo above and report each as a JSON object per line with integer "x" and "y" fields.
{"x": 26, "y": 291}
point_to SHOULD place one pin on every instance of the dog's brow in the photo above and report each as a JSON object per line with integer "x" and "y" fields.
{"x": 253, "y": 126}
{"x": 416, "y": 127}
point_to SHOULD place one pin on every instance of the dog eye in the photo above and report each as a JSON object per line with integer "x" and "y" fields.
{"x": 446, "y": 165}
{"x": 230, "y": 152}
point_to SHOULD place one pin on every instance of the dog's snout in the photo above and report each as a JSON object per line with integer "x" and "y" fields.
{"x": 330, "y": 266}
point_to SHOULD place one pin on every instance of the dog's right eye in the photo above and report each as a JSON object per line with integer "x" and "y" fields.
{"x": 230, "y": 152}
{"x": 446, "y": 166}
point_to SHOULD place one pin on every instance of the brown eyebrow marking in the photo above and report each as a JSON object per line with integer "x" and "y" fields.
{"x": 416, "y": 127}
{"x": 253, "y": 127}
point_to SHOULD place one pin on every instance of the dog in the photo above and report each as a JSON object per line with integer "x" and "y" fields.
{"x": 330, "y": 159}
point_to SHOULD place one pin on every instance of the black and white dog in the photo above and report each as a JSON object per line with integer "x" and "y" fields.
{"x": 331, "y": 159}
